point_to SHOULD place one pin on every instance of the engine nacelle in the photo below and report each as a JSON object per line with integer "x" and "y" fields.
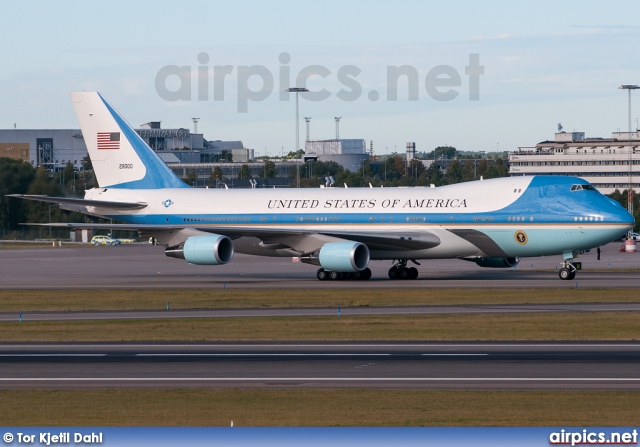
{"x": 497, "y": 262}
{"x": 344, "y": 256}
{"x": 212, "y": 249}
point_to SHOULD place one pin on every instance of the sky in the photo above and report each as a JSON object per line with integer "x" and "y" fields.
{"x": 480, "y": 76}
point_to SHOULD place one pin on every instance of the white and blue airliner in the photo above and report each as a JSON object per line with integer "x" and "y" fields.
{"x": 493, "y": 223}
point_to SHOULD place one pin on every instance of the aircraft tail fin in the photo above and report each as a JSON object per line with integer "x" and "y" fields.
{"x": 120, "y": 158}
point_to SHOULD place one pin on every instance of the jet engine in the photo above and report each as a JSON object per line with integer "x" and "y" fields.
{"x": 496, "y": 262}
{"x": 344, "y": 256}
{"x": 212, "y": 249}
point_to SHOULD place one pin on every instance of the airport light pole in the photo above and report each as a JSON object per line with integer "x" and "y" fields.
{"x": 297, "y": 91}
{"x": 630, "y": 87}
{"x": 50, "y": 220}
{"x": 385, "y": 169}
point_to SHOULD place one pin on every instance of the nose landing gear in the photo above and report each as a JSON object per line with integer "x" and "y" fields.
{"x": 569, "y": 267}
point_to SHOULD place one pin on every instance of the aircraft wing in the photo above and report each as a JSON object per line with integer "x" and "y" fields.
{"x": 82, "y": 202}
{"x": 309, "y": 241}
{"x": 302, "y": 241}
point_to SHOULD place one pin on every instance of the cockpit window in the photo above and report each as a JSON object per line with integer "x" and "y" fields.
{"x": 582, "y": 188}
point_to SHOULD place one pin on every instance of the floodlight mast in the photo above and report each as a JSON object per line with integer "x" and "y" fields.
{"x": 630, "y": 191}
{"x": 297, "y": 91}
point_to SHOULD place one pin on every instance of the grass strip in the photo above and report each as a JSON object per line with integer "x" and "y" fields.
{"x": 80, "y": 300}
{"x": 454, "y": 327}
{"x": 317, "y": 408}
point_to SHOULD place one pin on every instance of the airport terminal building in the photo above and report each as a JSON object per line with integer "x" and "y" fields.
{"x": 182, "y": 150}
{"x": 607, "y": 163}
{"x": 349, "y": 153}
{"x": 54, "y": 148}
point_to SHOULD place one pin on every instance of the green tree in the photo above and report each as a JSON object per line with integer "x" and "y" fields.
{"x": 326, "y": 168}
{"x": 498, "y": 169}
{"x": 393, "y": 169}
{"x": 15, "y": 178}
{"x": 43, "y": 184}
{"x": 481, "y": 168}
{"x": 443, "y": 153}
{"x": 86, "y": 180}
{"x": 454, "y": 173}
{"x": 352, "y": 179}
{"x": 416, "y": 169}
{"x": 244, "y": 172}
{"x": 191, "y": 178}
{"x": 216, "y": 174}
{"x": 66, "y": 177}
{"x": 467, "y": 171}
{"x": 86, "y": 163}
{"x": 270, "y": 170}
{"x": 434, "y": 176}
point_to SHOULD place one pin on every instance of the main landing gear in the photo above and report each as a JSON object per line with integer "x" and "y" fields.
{"x": 363, "y": 275}
{"x": 400, "y": 270}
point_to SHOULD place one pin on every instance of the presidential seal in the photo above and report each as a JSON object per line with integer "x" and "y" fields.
{"x": 521, "y": 237}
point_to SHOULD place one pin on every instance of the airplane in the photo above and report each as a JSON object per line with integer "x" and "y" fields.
{"x": 492, "y": 222}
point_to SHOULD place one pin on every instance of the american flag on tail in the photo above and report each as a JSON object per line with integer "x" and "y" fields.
{"x": 108, "y": 140}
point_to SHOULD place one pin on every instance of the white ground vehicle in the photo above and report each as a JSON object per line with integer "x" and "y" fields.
{"x": 104, "y": 240}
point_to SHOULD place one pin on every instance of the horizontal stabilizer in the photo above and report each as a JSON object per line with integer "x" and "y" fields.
{"x": 82, "y": 202}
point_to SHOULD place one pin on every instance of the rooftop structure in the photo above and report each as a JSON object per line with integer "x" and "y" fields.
{"x": 335, "y": 147}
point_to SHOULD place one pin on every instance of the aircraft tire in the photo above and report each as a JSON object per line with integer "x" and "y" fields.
{"x": 322, "y": 275}
{"x": 393, "y": 273}
{"x": 333, "y": 275}
{"x": 413, "y": 273}
{"x": 405, "y": 274}
{"x": 366, "y": 274}
{"x": 565, "y": 274}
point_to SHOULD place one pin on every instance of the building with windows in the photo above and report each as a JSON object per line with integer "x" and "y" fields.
{"x": 49, "y": 148}
{"x": 607, "y": 163}
{"x": 349, "y": 153}
{"x": 53, "y": 149}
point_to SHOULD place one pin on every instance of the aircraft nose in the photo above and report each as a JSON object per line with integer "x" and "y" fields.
{"x": 623, "y": 216}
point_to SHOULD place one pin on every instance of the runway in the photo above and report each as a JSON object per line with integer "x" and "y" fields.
{"x": 146, "y": 267}
{"x": 604, "y": 366}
